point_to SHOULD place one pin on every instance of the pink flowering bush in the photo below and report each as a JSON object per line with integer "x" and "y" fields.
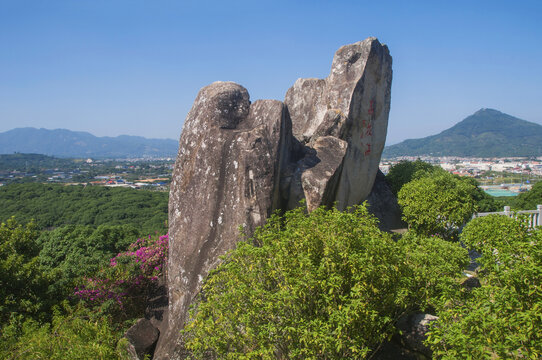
{"x": 124, "y": 285}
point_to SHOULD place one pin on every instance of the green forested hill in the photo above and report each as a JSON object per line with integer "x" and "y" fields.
{"x": 52, "y": 205}
{"x": 486, "y": 133}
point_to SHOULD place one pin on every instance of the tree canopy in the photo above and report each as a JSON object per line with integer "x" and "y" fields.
{"x": 405, "y": 171}
{"x": 503, "y": 317}
{"x": 530, "y": 199}
{"x": 23, "y": 286}
{"x": 328, "y": 285}
{"x": 54, "y": 205}
{"x": 437, "y": 204}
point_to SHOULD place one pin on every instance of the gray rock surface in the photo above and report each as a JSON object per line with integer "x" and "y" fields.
{"x": 238, "y": 162}
{"x": 414, "y": 328}
{"x": 142, "y": 338}
{"x": 226, "y": 175}
{"x": 383, "y": 204}
{"x": 352, "y": 104}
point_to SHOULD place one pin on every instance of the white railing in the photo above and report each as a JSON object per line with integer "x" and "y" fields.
{"x": 534, "y": 216}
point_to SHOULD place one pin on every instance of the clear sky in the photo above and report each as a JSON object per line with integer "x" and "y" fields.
{"x": 113, "y": 67}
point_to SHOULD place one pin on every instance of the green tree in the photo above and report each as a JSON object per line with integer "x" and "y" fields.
{"x": 328, "y": 284}
{"x": 530, "y": 199}
{"x": 503, "y": 318}
{"x": 54, "y": 205}
{"x": 405, "y": 171}
{"x": 23, "y": 285}
{"x": 437, "y": 204}
{"x": 72, "y": 251}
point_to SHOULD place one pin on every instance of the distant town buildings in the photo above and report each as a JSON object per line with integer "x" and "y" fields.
{"x": 475, "y": 166}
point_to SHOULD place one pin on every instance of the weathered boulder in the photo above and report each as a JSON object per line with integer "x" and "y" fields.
{"x": 352, "y": 104}
{"x": 142, "y": 338}
{"x": 238, "y": 162}
{"x": 414, "y": 328}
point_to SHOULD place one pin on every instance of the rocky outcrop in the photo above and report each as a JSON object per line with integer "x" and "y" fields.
{"x": 142, "y": 338}
{"x": 238, "y": 162}
{"x": 352, "y": 104}
{"x": 226, "y": 175}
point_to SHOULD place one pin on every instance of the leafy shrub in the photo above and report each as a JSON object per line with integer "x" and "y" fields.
{"x": 325, "y": 285}
{"x": 432, "y": 267}
{"x": 75, "y": 333}
{"x": 23, "y": 285}
{"x": 437, "y": 204}
{"x": 405, "y": 171}
{"x": 121, "y": 289}
{"x": 503, "y": 318}
{"x": 530, "y": 199}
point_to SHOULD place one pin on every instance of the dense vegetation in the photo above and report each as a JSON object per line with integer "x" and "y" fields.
{"x": 53, "y": 205}
{"x": 437, "y": 204}
{"x": 404, "y": 172}
{"x": 331, "y": 285}
{"x": 32, "y": 162}
{"x": 502, "y": 318}
{"x": 83, "y": 238}
{"x": 327, "y": 284}
{"x": 486, "y": 133}
{"x": 42, "y": 316}
{"x": 529, "y": 200}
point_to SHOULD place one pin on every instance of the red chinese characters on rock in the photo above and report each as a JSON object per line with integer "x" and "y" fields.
{"x": 369, "y": 130}
{"x": 371, "y": 109}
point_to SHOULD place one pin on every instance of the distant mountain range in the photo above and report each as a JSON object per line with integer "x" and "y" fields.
{"x": 76, "y": 144}
{"x": 486, "y": 133}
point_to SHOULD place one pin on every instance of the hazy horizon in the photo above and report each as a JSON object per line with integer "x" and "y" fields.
{"x": 134, "y": 68}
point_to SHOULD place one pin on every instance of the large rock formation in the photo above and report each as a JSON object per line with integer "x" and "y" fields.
{"x": 238, "y": 162}
{"x": 351, "y": 106}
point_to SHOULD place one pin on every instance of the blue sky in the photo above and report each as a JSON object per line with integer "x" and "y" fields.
{"x": 134, "y": 67}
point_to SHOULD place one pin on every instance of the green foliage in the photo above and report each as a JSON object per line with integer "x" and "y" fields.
{"x": 503, "y": 318}
{"x": 530, "y": 199}
{"x": 432, "y": 267}
{"x": 488, "y": 233}
{"x": 437, "y": 204}
{"x": 73, "y": 334}
{"x": 52, "y": 205}
{"x": 73, "y": 251}
{"x": 405, "y": 171}
{"x": 122, "y": 288}
{"x": 31, "y": 162}
{"x": 324, "y": 285}
{"x": 23, "y": 286}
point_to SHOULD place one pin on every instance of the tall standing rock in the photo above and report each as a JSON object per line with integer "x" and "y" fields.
{"x": 226, "y": 175}
{"x": 351, "y": 105}
{"x": 238, "y": 162}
